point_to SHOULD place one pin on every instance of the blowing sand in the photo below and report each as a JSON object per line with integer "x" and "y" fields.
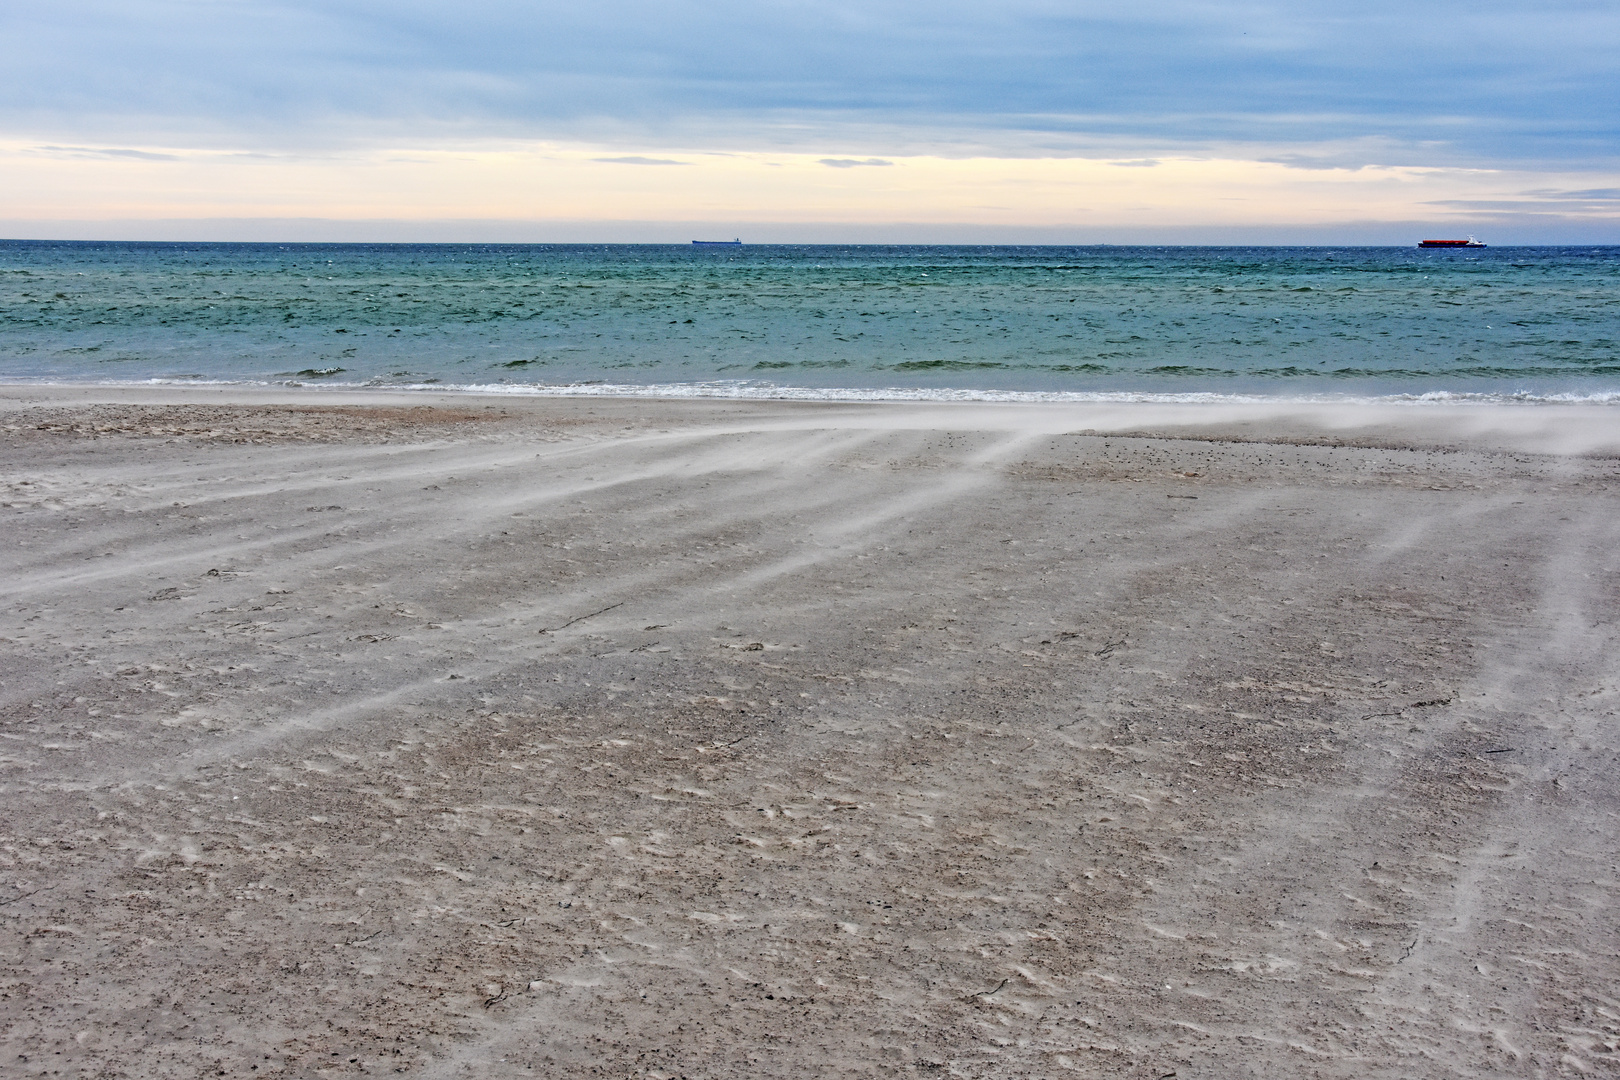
{"x": 350, "y": 735}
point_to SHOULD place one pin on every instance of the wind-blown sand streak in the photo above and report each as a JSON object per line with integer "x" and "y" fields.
{"x": 344, "y": 735}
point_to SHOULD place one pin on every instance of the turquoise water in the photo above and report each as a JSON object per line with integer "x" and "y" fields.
{"x": 821, "y": 321}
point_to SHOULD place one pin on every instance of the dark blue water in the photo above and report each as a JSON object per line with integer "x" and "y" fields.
{"x": 889, "y": 321}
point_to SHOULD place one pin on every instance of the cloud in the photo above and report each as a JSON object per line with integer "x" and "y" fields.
{"x": 1586, "y": 195}
{"x": 1603, "y": 201}
{"x": 1138, "y": 163}
{"x": 851, "y": 163}
{"x": 635, "y": 160}
{"x": 1483, "y": 82}
{"x": 110, "y": 152}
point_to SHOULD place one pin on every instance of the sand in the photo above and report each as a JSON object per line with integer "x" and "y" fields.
{"x": 457, "y": 736}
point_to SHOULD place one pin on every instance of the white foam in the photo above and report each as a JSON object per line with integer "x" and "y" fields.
{"x": 751, "y": 391}
{"x": 744, "y": 390}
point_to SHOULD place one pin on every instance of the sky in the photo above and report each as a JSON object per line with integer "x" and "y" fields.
{"x": 887, "y": 120}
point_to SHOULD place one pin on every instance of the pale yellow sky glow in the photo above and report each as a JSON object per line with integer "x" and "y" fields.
{"x": 540, "y": 182}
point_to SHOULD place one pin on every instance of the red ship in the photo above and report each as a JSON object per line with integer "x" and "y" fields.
{"x": 1468, "y": 243}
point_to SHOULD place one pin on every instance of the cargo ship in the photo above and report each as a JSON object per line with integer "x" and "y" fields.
{"x": 718, "y": 243}
{"x": 1468, "y": 243}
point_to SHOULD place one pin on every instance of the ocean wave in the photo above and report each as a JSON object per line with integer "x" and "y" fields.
{"x": 744, "y": 390}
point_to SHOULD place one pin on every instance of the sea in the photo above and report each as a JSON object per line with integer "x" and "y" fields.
{"x": 823, "y": 322}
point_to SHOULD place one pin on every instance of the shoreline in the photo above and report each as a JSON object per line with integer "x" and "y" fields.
{"x": 1540, "y": 427}
{"x": 543, "y": 735}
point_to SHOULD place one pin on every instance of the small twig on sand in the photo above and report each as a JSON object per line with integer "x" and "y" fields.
{"x": 1504, "y": 750}
{"x": 26, "y": 895}
{"x": 988, "y": 993}
{"x": 580, "y": 618}
{"x": 1108, "y": 648}
{"x": 361, "y": 941}
{"x": 1415, "y": 705}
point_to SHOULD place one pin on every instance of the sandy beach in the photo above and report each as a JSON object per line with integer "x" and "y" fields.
{"x": 447, "y": 735}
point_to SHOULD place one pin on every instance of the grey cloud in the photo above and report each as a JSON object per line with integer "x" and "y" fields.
{"x": 1486, "y": 81}
{"x": 1138, "y": 163}
{"x": 1528, "y": 208}
{"x": 1585, "y": 195}
{"x": 852, "y": 163}
{"x": 112, "y": 152}
{"x": 1340, "y": 160}
{"x": 636, "y": 160}
{"x": 1486, "y": 204}
{"x": 1603, "y": 202}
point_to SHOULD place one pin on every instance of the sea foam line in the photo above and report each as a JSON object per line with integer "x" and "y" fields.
{"x": 741, "y": 390}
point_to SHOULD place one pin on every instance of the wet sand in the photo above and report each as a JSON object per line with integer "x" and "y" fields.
{"x": 452, "y": 736}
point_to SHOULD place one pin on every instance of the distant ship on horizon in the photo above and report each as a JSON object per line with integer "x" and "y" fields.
{"x": 719, "y": 243}
{"x": 1468, "y": 243}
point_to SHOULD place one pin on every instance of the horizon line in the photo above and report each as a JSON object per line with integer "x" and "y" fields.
{"x": 684, "y": 244}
